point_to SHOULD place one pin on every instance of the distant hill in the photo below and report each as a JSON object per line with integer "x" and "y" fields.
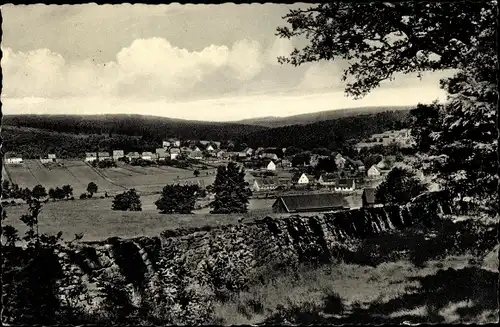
{"x": 304, "y": 119}
{"x": 148, "y": 127}
{"x": 331, "y": 134}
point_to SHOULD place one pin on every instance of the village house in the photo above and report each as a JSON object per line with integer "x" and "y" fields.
{"x": 174, "y": 153}
{"x": 368, "y": 197}
{"x": 271, "y": 166}
{"x": 268, "y": 155}
{"x": 259, "y": 150}
{"x": 248, "y": 152}
{"x": 133, "y": 155}
{"x": 401, "y": 138}
{"x": 90, "y": 156}
{"x": 345, "y": 185}
{"x": 174, "y": 142}
{"x": 48, "y": 158}
{"x": 220, "y": 154}
{"x": 162, "y": 153}
{"x": 264, "y": 184}
{"x": 13, "y": 159}
{"x": 374, "y": 172}
{"x": 197, "y": 155}
{"x": 204, "y": 142}
{"x": 355, "y": 165}
{"x": 165, "y": 144}
{"x": 103, "y": 156}
{"x": 300, "y": 179}
{"x": 147, "y": 156}
{"x": 117, "y": 154}
{"x": 285, "y": 163}
{"x": 210, "y": 148}
{"x": 310, "y": 203}
{"x": 327, "y": 180}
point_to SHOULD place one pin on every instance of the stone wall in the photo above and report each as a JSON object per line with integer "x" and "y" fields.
{"x": 176, "y": 275}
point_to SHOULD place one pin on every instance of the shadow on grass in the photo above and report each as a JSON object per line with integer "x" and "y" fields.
{"x": 420, "y": 245}
{"x": 437, "y": 295}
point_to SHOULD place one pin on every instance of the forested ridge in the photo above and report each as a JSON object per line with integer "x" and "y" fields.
{"x": 33, "y": 136}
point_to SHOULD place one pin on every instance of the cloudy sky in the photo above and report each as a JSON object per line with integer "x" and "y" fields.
{"x": 205, "y": 62}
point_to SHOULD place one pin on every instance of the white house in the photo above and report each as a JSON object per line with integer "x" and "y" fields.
{"x": 373, "y": 172}
{"x": 90, "y": 156}
{"x": 271, "y": 165}
{"x": 264, "y": 184}
{"x": 165, "y": 144}
{"x": 13, "y": 160}
{"x": 174, "y": 153}
{"x": 147, "y": 156}
{"x": 248, "y": 151}
{"x": 117, "y": 154}
{"x": 162, "y": 153}
{"x": 346, "y": 185}
{"x": 209, "y": 148}
{"x": 133, "y": 155}
{"x": 301, "y": 179}
{"x": 49, "y": 158}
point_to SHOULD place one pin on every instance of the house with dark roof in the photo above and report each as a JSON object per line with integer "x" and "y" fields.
{"x": 345, "y": 185}
{"x": 117, "y": 154}
{"x": 327, "y": 180}
{"x": 11, "y": 158}
{"x": 368, "y": 197}
{"x": 310, "y": 203}
{"x": 90, "y": 156}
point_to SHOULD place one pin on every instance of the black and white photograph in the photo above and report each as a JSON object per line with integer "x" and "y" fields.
{"x": 250, "y": 164}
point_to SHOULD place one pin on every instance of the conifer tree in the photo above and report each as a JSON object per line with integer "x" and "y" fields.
{"x": 232, "y": 192}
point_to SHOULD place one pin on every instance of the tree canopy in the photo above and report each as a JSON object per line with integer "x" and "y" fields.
{"x": 400, "y": 186}
{"x": 178, "y": 198}
{"x": 379, "y": 39}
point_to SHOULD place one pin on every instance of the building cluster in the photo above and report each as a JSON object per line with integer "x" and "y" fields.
{"x": 401, "y": 138}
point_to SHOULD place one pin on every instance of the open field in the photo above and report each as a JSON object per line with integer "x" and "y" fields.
{"x": 97, "y": 221}
{"x": 78, "y": 174}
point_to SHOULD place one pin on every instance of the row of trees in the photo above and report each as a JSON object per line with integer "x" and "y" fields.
{"x": 232, "y": 195}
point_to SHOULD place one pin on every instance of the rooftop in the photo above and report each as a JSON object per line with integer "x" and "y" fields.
{"x": 314, "y": 202}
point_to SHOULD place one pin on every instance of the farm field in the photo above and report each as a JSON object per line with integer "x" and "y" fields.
{"x": 111, "y": 180}
{"x": 97, "y": 221}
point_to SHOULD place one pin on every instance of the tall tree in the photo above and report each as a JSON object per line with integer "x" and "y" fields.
{"x": 232, "y": 192}
{"x": 39, "y": 192}
{"x": 400, "y": 186}
{"x": 178, "y": 198}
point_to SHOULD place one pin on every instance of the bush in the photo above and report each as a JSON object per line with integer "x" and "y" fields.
{"x": 83, "y": 196}
{"x": 129, "y": 200}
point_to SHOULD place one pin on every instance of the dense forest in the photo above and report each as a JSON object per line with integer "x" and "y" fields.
{"x": 32, "y": 143}
{"x": 331, "y": 134}
{"x": 315, "y": 117}
{"x": 34, "y": 136}
{"x": 149, "y": 127}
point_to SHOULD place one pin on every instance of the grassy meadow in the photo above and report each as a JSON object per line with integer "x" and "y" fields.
{"x": 97, "y": 221}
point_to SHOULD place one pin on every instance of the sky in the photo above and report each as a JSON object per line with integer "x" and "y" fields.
{"x": 202, "y": 62}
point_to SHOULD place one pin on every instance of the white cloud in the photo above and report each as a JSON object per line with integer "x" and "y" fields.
{"x": 147, "y": 68}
